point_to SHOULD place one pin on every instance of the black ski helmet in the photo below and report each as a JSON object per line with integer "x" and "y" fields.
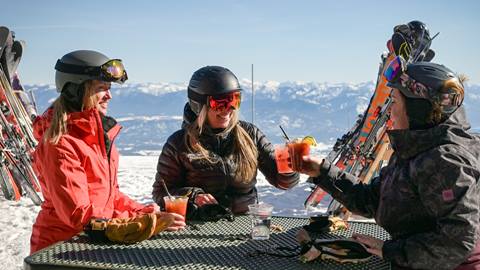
{"x": 424, "y": 87}
{"x": 210, "y": 81}
{"x": 79, "y": 66}
{"x": 431, "y": 75}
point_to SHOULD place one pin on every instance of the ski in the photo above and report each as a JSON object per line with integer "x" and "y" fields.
{"x": 27, "y": 99}
{"x": 18, "y": 163}
{"x": 365, "y": 148}
{"x": 354, "y": 152}
{"x": 17, "y": 51}
{"x": 17, "y": 142}
{"x": 20, "y": 176}
{"x": 8, "y": 185}
{"x": 5, "y": 35}
{"x": 19, "y": 117}
{"x": 12, "y": 142}
{"x": 6, "y": 57}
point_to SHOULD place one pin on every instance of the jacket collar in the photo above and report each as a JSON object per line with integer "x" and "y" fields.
{"x": 86, "y": 124}
{"x": 408, "y": 143}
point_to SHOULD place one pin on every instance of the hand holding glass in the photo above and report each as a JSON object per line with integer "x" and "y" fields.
{"x": 289, "y": 157}
{"x": 176, "y": 204}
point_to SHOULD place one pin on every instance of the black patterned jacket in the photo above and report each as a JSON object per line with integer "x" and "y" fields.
{"x": 427, "y": 197}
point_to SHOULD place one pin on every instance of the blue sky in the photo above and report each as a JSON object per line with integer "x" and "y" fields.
{"x": 323, "y": 41}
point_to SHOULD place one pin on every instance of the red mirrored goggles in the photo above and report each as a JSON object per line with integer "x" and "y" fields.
{"x": 224, "y": 102}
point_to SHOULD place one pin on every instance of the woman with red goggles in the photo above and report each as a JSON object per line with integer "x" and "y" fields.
{"x": 214, "y": 158}
{"x": 428, "y": 197}
{"x": 76, "y": 159}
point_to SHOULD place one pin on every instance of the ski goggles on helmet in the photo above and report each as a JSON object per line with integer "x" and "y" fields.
{"x": 397, "y": 77}
{"x": 112, "y": 71}
{"x": 224, "y": 102}
{"x": 395, "y": 69}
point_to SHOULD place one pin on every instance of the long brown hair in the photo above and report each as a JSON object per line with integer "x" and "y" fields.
{"x": 244, "y": 152}
{"x": 58, "y": 125}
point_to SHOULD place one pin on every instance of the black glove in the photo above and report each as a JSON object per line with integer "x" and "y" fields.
{"x": 191, "y": 206}
{"x": 211, "y": 212}
{"x": 340, "y": 250}
{"x": 325, "y": 223}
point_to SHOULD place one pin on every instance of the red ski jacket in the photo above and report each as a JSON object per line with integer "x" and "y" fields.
{"x": 78, "y": 178}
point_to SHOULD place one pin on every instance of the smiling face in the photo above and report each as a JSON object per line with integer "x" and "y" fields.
{"x": 98, "y": 95}
{"x": 220, "y": 118}
{"x": 221, "y": 109}
{"x": 398, "y": 112}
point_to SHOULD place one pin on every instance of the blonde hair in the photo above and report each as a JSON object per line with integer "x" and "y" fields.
{"x": 244, "y": 152}
{"x": 455, "y": 84}
{"x": 58, "y": 125}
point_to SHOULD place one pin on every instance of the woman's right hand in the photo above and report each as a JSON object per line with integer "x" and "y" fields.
{"x": 205, "y": 198}
{"x": 311, "y": 166}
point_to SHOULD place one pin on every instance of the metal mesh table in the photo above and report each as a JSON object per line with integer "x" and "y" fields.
{"x": 220, "y": 245}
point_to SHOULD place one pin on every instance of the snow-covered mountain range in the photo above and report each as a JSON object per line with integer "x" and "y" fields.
{"x": 150, "y": 112}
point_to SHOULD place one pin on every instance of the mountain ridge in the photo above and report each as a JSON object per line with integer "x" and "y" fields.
{"x": 150, "y": 112}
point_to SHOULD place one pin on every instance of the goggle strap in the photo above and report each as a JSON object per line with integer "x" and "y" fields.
{"x": 197, "y": 97}
{"x": 76, "y": 69}
{"x": 89, "y": 70}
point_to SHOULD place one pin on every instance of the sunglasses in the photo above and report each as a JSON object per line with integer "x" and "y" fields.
{"x": 224, "y": 102}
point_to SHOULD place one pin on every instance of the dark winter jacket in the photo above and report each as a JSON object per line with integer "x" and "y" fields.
{"x": 427, "y": 197}
{"x": 181, "y": 172}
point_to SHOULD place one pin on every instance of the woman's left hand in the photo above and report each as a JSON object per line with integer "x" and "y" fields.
{"x": 374, "y": 245}
{"x": 205, "y": 198}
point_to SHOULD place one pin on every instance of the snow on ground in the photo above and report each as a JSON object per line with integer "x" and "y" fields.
{"x": 16, "y": 219}
{"x": 136, "y": 174}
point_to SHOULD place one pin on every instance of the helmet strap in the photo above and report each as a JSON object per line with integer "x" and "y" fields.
{"x": 189, "y": 115}
{"x": 72, "y": 94}
{"x": 418, "y": 112}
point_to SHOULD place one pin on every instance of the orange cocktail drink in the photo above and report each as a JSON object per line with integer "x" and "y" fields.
{"x": 297, "y": 151}
{"x": 176, "y": 204}
{"x": 289, "y": 157}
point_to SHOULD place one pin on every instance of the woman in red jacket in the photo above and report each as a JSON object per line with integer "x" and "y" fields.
{"x": 76, "y": 159}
